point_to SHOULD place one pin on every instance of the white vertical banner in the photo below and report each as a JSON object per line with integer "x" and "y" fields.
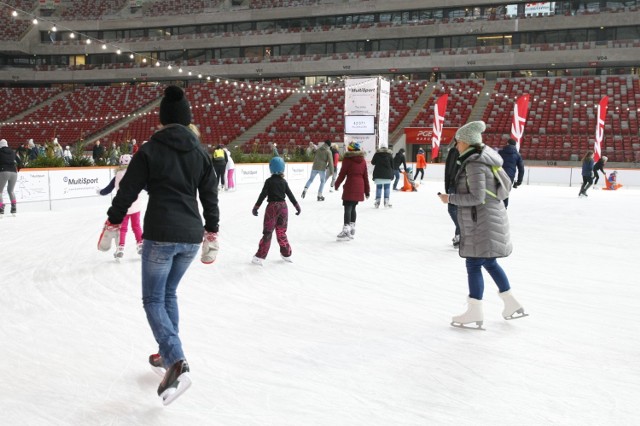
{"x": 361, "y": 96}
{"x": 367, "y": 143}
{"x": 383, "y": 113}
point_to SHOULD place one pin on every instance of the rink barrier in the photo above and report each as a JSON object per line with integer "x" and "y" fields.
{"x": 51, "y": 189}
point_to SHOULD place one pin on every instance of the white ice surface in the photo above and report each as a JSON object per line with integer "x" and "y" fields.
{"x": 351, "y": 333}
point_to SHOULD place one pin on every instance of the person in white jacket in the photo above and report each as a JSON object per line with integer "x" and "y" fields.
{"x": 229, "y": 171}
{"x": 133, "y": 214}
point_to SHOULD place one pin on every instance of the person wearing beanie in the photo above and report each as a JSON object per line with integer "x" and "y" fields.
{"x": 484, "y": 225}
{"x": 176, "y": 171}
{"x": 276, "y": 216}
{"x": 398, "y": 160}
{"x": 356, "y": 187}
{"x": 512, "y": 163}
{"x": 599, "y": 167}
{"x": 322, "y": 160}
{"x": 421, "y": 164}
{"x": 10, "y": 164}
{"x": 587, "y": 173}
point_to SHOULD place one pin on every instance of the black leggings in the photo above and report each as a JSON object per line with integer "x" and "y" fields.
{"x": 350, "y": 211}
{"x": 421, "y": 172}
{"x": 596, "y": 177}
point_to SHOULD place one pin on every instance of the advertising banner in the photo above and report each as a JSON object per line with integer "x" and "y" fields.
{"x": 424, "y": 135}
{"x": 520, "y": 110}
{"x": 602, "y": 117}
{"x": 367, "y": 143}
{"x": 251, "y": 173}
{"x": 361, "y": 96}
{"x": 439, "y": 109}
{"x": 383, "y": 117}
{"x": 30, "y": 186}
{"x": 76, "y": 183}
{"x": 297, "y": 171}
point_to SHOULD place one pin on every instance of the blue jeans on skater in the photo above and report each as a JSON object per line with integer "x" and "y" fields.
{"x": 387, "y": 189}
{"x": 163, "y": 265}
{"x": 322, "y": 174}
{"x": 396, "y": 175}
{"x": 474, "y": 275}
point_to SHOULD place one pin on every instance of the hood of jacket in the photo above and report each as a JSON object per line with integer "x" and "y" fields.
{"x": 384, "y": 149}
{"x": 178, "y": 137}
{"x": 357, "y": 156}
{"x": 488, "y": 156}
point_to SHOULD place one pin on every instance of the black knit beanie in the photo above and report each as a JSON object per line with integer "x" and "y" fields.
{"x": 174, "y": 107}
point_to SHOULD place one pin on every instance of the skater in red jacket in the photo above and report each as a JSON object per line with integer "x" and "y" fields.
{"x": 356, "y": 187}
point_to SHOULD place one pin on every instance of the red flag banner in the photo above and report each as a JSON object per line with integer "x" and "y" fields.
{"x": 438, "y": 122}
{"x": 520, "y": 110}
{"x": 602, "y": 116}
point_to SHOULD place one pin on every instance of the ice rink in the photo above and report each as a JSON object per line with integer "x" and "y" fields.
{"x": 351, "y": 333}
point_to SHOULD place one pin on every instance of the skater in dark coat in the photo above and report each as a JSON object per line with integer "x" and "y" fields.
{"x": 450, "y": 171}
{"x": 356, "y": 187}
{"x": 398, "y": 160}
{"x": 599, "y": 167}
{"x": 587, "y": 173}
{"x": 512, "y": 163}
{"x": 382, "y": 162}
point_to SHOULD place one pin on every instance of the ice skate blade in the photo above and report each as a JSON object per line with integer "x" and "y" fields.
{"x": 172, "y": 393}
{"x": 287, "y": 259}
{"x": 460, "y": 325}
{"x": 517, "y": 314}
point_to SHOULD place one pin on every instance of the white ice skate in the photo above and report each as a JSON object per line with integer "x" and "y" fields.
{"x": 474, "y": 314}
{"x": 257, "y": 261}
{"x": 139, "y": 247}
{"x": 345, "y": 235}
{"x": 512, "y": 308}
{"x": 119, "y": 254}
{"x": 387, "y": 204}
{"x": 352, "y": 230}
{"x": 286, "y": 259}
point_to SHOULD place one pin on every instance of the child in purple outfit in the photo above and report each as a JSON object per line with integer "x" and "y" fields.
{"x": 276, "y": 215}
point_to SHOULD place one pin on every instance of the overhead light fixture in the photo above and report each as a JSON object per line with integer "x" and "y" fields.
{"x": 35, "y": 21}
{"x": 54, "y": 28}
{"x": 118, "y": 52}
{"x": 88, "y": 41}
{"x": 14, "y": 13}
{"x": 72, "y": 35}
{"x": 104, "y": 47}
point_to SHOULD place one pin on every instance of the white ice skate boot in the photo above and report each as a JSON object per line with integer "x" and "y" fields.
{"x": 139, "y": 247}
{"x": 119, "y": 254}
{"x": 257, "y": 261}
{"x": 377, "y": 203}
{"x": 286, "y": 258}
{"x": 387, "y": 204}
{"x": 512, "y": 309}
{"x": 474, "y": 313}
{"x": 345, "y": 235}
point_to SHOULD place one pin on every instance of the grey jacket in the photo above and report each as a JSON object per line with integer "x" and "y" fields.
{"x": 323, "y": 159}
{"x": 484, "y": 225}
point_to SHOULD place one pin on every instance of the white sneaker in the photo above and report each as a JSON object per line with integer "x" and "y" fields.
{"x": 286, "y": 259}
{"x": 257, "y": 261}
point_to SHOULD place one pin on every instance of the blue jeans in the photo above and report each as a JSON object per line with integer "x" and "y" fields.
{"x": 322, "y": 174}
{"x": 386, "y": 187}
{"x": 163, "y": 265}
{"x": 474, "y": 275}
{"x": 396, "y": 174}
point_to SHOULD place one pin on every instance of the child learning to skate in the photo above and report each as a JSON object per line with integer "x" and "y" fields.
{"x": 133, "y": 214}
{"x": 276, "y": 215}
